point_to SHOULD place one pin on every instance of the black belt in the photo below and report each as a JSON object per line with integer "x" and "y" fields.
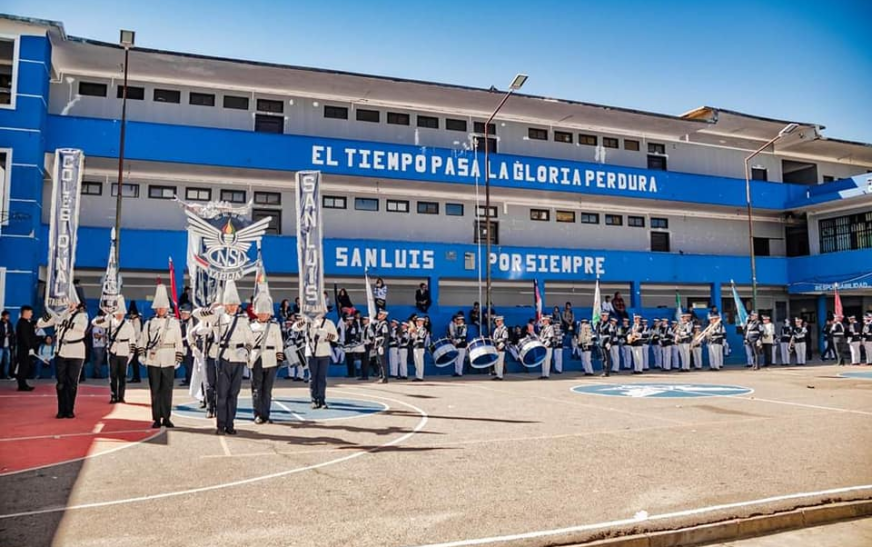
{"x": 270, "y": 347}
{"x": 72, "y": 341}
{"x": 231, "y": 346}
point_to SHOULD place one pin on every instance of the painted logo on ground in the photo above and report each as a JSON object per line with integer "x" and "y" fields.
{"x": 865, "y": 374}
{"x": 285, "y": 409}
{"x": 663, "y": 390}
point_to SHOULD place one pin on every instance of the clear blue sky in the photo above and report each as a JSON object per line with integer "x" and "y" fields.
{"x": 797, "y": 60}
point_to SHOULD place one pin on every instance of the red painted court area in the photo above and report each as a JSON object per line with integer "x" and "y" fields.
{"x": 32, "y": 437}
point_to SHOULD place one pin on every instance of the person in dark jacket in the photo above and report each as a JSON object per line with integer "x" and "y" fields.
{"x": 27, "y": 344}
{"x": 7, "y": 344}
{"x": 422, "y": 298}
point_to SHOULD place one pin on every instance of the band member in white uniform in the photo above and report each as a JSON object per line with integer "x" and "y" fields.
{"x": 162, "y": 350}
{"x": 500, "y": 337}
{"x": 753, "y": 335}
{"x": 646, "y": 344}
{"x": 634, "y": 342}
{"x": 716, "y": 336}
{"x": 120, "y": 345}
{"x": 70, "y": 326}
{"x": 394, "y": 348}
{"x": 667, "y": 343}
{"x": 655, "y": 343}
{"x": 420, "y": 340}
{"x": 546, "y": 336}
{"x": 615, "y": 347}
{"x": 320, "y": 332}
{"x": 558, "y": 345}
{"x": 852, "y": 333}
{"x": 800, "y": 339}
{"x": 267, "y": 353}
{"x": 685, "y": 337}
{"x": 457, "y": 333}
{"x": 784, "y": 341}
{"x": 381, "y": 344}
{"x": 696, "y": 348}
{"x": 404, "y": 340}
{"x": 768, "y": 341}
{"x": 866, "y": 334}
{"x": 585, "y": 341}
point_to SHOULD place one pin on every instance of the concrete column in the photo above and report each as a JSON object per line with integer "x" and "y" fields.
{"x": 716, "y": 296}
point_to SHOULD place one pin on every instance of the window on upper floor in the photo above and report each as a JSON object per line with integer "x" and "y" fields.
{"x": 428, "y": 208}
{"x": 235, "y": 103}
{"x": 8, "y": 71}
{"x": 631, "y": 145}
{"x": 233, "y": 196}
{"x": 265, "y": 123}
{"x": 128, "y": 189}
{"x": 563, "y": 136}
{"x": 481, "y": 232}
{"x": 334, "y": 202}
{"x": 587, "y": 140}
{"x": 270, "y": 105}
{"x": 636, "y": 222}
{"x": 201, "y": 99}
{"x": 493, "y": 211}
{"x": 161, "y": 192}
{"x": 397, "y": 206}
{"x": 846, "y": 233}
{"x": 537, "y": 134}
{"x": 335, "y": 112}
{"x": 828, "y": 178}
{"x": 167, "y": 96}
{"x": 430, "y": 122}
{"x": 268, "y": 198}
{"x": 454, "y": 209}
{"x": 455, "y": 125}
{"x": 133, "y": 93}
{"x": 398, "y": 118}
{"x": 761, "y": 246}
{"x": 590, "y": 218}
{"x": 92, "y": 89}
{"x": 759, "y": 173}
{"x": 478, "y": 144}
{"x": 366, "y": 204}
{"x": 198, "y": 194}
{"x": 565, "y": 216}
{"x": 610, "y": 142}
{"x": 614, "y": 220}
{"x": 660, "y": 223}
{"x": 656, "y": 148}
{"x": 364, "y": 115}
{"x": 540, "y": 214}
{"x": 275, "y": 215}
{"x": 478, "y": 127}
{"x": 656, "y": 163}
{"x": 92, "y": 188}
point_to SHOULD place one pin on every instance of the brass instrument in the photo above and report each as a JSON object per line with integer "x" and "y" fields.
{"x": 704, "y": 335}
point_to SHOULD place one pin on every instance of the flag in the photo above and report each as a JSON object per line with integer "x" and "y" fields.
{"x": 677, "y": 306}
{"x": 838, "y": 310}
{"x": 111, "y": 281}
{"x": 596, "y": 315}
{"x": 537, "y": 300}
{"x": 173, "y": 294}
{"x": 370, "y": 300}
{"x": 260, "y": 281}
{"x": 336, "y": 301}
{"x": 741, "y": 313}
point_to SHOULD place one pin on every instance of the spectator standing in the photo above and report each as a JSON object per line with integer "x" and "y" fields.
{"x": 7, "y": 344}
{"x": 619, "y": 306}
{"x": 422, "y": 298}
{"x": 346, "y": 306}
{"x": 380, "y": 294}
{"x": 26, "y": 343}
{"x": 296, "y": 305}
{"x": 607, "y": 306}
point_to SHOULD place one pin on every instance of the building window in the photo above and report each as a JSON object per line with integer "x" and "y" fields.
{"x": 493, "y": 211}
{"x": 481, "y": 234}
{"x": 236, "y": 103}
{"x": 454, "y": 209}
{"x": 233, "y": 196}
{"x": 270, "y": 105}
{"x": 366, "y": 204}
{"x": 267, "y": 198}
{"x": 161, "y": 192}
{"x": 660, "y": 242}
{"x": 565, "y": 216}
{"x": 430, "y": 122}
{"x": 334, "y": 202}
{"x": 92, "y": 188}
{"x": 198, "y": 194}
{"x": 128, "y": 190}
{"x": 657, "y": 163}
{"x": 614, "y": 220}
{"x": 455, "y": 125}
{"x": 828, "y": 178}
{"x": 761, "y": 246}
{"x": 610, "y": 142}
{"x": 133, "y": 93}
{"x": 759, "y": 173}
{"x": 167, "y": 96}
{"x": 478, "y": 127}
{"x": 478, "y": 144}
{"x": 335, "y": 112}
{"x": 846, "y": 233}
{"x": 563, "y": 136}
{"x": 587, "y": 140}
{"x": 631, "y": 145}
{"x": 428, "y": 208}
{"x": 590, "y": 218}
{"x": 537, "y": 134}
{"x": 660, "y": 223}
{"x": 540, "y": 214}
{"x": 398, "y": 118}
{"x": 264, "y": 123}
{"x": 275, "y": 223}
{"x": 364, "y": 115}
{"x": 397, "y": 206}
{"x": 656, "y": 148}
{"x": 201, "y": 99}
{"x": 7, "y": 71}
{"x": 636, "y": 222}
{"x": 92, "y": 89}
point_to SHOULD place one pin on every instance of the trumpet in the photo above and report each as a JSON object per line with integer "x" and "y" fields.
{"x": 704, "y": 335}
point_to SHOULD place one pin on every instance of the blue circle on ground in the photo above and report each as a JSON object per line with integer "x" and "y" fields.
{"x": 286, "y": 409}
{"x": 663, "y": 391}
{"x": 865, "y": 374}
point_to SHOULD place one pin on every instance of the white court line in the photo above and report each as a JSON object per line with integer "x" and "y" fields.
{"x": 60, "y": 509}
{"x": 294, "y": 414}
{"x": 65, "y": 435}
{"x": 358, "y": 416}
{"x": 636, "y": 522}
{"x": 224, "y": 446}
{"x": 805, "y": 405}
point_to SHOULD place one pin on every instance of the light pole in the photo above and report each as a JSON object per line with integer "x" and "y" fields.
{"x": 516, "y": 84}
{"x": 790, "y": 128}
{"x": 126, "y": 40}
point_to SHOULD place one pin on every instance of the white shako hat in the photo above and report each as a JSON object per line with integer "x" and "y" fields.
{"x": 231, "y": 295}
{"x": 263, "y": 303}
{"x": 161, "y": 300}
{"x": 121, "y": 306}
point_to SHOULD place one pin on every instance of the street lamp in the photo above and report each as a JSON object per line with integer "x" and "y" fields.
{"x": 126, "y": 40}
{"x": 788, "y": 129}
{"x": 516, "y": 84}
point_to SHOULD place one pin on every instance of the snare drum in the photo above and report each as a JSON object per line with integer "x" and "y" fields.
{"x": 292, "y": 355}
{"x": 532, "y": 352}
{"x": 482, "y": 353}
{"x": 444, "y": 352}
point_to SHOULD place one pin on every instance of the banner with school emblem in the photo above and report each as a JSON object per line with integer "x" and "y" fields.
{"x": 63, "y": 228}
{"x": 310, "y": 251}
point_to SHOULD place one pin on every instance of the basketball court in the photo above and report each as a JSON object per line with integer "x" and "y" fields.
{"x": 450, "y": 461}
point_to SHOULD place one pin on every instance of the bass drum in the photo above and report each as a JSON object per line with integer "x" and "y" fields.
{"x": 532, "y": 352}
{"x": 444, "y": 352}
{"x": 482, "y": 353}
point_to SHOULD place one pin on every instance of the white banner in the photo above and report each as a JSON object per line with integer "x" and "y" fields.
{"x": 310, "y": 251}
{"x": 63, "y": 228}
{"x": 111, "y": 283}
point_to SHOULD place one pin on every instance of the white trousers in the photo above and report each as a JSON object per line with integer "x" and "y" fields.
{"x": 585, "y": 362}
{"x": 855, "y": 353}
{"x": 684, "y": 350}
{"x": 666, "y": 357}
{"x": 800, "y": 353}
{"x": 785, "y": 353}
{"x": 615, "y": 353}
{"x": 638, "y": 363}
{"x": 716, "y": 356}
{"x": 546, "y": 364}
{"x": 868, "y": 346}
{"x": 403, "y": 363}
{"x": 558, "y": 359}
{"x": 646, "y": 353}
{"x": 418, "y": 356}
{"x": 658, "y": 356}
{"x": 393, "y": 360}
{"x": 627, "y": 352}
{"x": 500, "y": 364}
{"x": 676, "y": 356}
{"x": 458, "y": 364}
{"x": 697, "y": 357}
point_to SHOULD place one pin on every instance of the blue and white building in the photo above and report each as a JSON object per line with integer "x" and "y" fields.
{"x": 652, "y": 204}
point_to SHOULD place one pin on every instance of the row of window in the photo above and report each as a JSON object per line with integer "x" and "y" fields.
{"x": 659, "y": 240}
{"x": 846, "y": 233}
{"x": 566, "y": 137}
{"x": 594, "y": 218}
{"x": 157, "y": 191}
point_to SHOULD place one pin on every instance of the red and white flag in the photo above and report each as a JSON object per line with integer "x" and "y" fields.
{"x": 537, "y": 300}
{"x": 838, "y": 300}
{"x": 174, "y": 295}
